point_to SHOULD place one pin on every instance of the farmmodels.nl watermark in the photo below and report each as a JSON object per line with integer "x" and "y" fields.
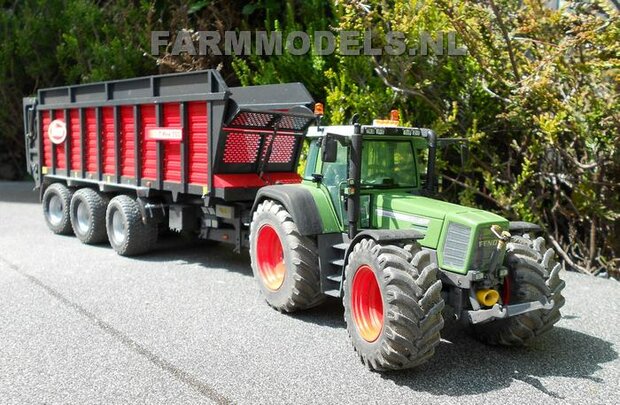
{"x": 349, "y": 43}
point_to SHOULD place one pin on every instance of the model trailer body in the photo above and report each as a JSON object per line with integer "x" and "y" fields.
{"x": 116, "y": 160}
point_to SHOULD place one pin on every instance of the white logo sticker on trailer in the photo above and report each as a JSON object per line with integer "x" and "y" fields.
{"x": 57, "y": 131}
{"x": 164, "y": 134}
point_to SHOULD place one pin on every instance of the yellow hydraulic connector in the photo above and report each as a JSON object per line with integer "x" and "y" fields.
{"x": 487, "y": 297}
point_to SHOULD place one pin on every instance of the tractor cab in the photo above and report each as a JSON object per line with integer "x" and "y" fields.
{"x": 371, "y": 161}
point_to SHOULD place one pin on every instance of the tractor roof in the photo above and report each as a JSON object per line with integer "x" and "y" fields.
{"x": 347, "y": 130}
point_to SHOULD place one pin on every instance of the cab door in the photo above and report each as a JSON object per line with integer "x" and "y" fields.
{"x": 334, "y": 181}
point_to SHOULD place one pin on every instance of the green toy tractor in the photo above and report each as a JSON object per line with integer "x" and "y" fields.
{"x": 363, "y": 226}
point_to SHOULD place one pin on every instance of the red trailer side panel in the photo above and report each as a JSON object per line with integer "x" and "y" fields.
{"x": 107, "y": 141}
{"x": 148, "y": 150}
{"x": 91, "y": 140}
{"x": 47, "y": 144}
{"x": 62, "y": 148}
{"x": 198, "y": 143}
{"x": 172, "y": 149}
{"x": 74, "y": 133}
{"x": 127, "y": 141}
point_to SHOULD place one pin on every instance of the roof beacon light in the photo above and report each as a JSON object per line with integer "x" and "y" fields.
{"x": 392, "y": 122}
{"x": 395, "y": 116}
{"x": 318, "y": 109}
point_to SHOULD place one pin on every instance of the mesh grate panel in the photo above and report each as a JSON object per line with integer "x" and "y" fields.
{"x": 282, "y": 150}
{"x": 252, "y": 119}
{"x": 294, "y": 123}
{"x": 241, "y": 147}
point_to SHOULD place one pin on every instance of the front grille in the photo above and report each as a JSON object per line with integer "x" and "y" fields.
{"x": 456, "y": 245}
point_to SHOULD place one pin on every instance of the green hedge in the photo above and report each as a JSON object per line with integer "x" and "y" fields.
{"x": 536, "y": 93}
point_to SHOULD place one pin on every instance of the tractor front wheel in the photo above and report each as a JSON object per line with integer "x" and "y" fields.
{"x": 533, "y": 275}
{"x": 393, "y": 305}
{"x": 284, "y": 262}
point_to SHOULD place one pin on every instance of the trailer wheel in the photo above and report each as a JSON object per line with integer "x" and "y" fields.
{"x": 533, "y": 274}
{"x": 284, "y": 262}
{"x": 393, "y": 305}
{"x": 88, "y": 216}
{"x": 127, "y": 234}
{"x": 56, "y": 205}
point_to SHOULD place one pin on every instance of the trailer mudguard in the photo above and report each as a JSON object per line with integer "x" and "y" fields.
{"x": 298, "y": 201}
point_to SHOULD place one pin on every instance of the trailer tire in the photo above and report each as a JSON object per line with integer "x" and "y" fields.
{"x": 127, "y": 234}
{"x": 88, "y": 209}
{"x": 393, "y": 305}
{"x": 533, "y": 274}
{"x": 284, "y": 262}
{"x": 56, "y": 207}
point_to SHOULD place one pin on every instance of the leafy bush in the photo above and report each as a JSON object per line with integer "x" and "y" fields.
{"x": 536, "y": 94}
{"x": 54, "y": 42}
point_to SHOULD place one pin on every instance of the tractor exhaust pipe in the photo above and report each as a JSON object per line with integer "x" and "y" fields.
{"x": 432, "y": 157}
{"x": 353, "y": 199}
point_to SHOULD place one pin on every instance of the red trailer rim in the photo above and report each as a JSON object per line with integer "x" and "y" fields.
{"x": 367, "y": 304}
{"x": 270, "y": 257}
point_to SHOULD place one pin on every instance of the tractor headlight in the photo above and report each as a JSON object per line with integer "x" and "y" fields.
{"x": 456, "y": 245}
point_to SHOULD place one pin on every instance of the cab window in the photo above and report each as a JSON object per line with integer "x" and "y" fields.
{"x": 388, "y": 163}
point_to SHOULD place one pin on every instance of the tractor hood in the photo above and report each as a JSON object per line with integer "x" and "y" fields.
{"x": 406, "y": 211}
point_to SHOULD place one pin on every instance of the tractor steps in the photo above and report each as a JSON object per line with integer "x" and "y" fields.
{"x": 332, "y": 260}
{"x": 342, "y": 246}
{"x": 338, "y": 262}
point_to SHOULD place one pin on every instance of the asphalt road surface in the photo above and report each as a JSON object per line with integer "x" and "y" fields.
{"x": 187, "y": 324}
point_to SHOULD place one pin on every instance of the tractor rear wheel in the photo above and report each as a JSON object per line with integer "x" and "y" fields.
{"x": 128, "y": 235}
{"x": 56, "y": 203}
{"x": 284, "y": 262}
{"x": 88, "y": 216}
{"x": 533, "y": 275}
{"x": 393, "y": 305}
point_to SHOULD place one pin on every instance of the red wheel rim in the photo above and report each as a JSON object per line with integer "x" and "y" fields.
{"x": 367, "y": 304}
{"x": 270, "y": 257}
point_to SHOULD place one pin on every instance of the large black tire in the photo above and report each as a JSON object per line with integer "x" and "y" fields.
{"x": 56, "y": 206}
{"x": 87, "y": 212}
{"x": 410, "y": 294}
{"x": 284, "y": 262}
{"x": 127, "y": 234}
{"x": 533, "y": 275}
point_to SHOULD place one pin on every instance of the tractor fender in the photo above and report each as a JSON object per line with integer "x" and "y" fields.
{"x": 379, "y": 235}
{"x": 521, "y": 227}
{"x": 298, "y": 201}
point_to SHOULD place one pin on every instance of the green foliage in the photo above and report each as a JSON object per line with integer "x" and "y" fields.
{"x": 286, "y": 17}
{"x": 536, "y": 95}
{"x": 54, "y": 42}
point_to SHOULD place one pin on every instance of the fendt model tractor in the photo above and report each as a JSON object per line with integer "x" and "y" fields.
{"x": 119, "y": 161}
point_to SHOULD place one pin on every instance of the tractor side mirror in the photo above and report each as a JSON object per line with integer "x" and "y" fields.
{"x": 329, "y": 149}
